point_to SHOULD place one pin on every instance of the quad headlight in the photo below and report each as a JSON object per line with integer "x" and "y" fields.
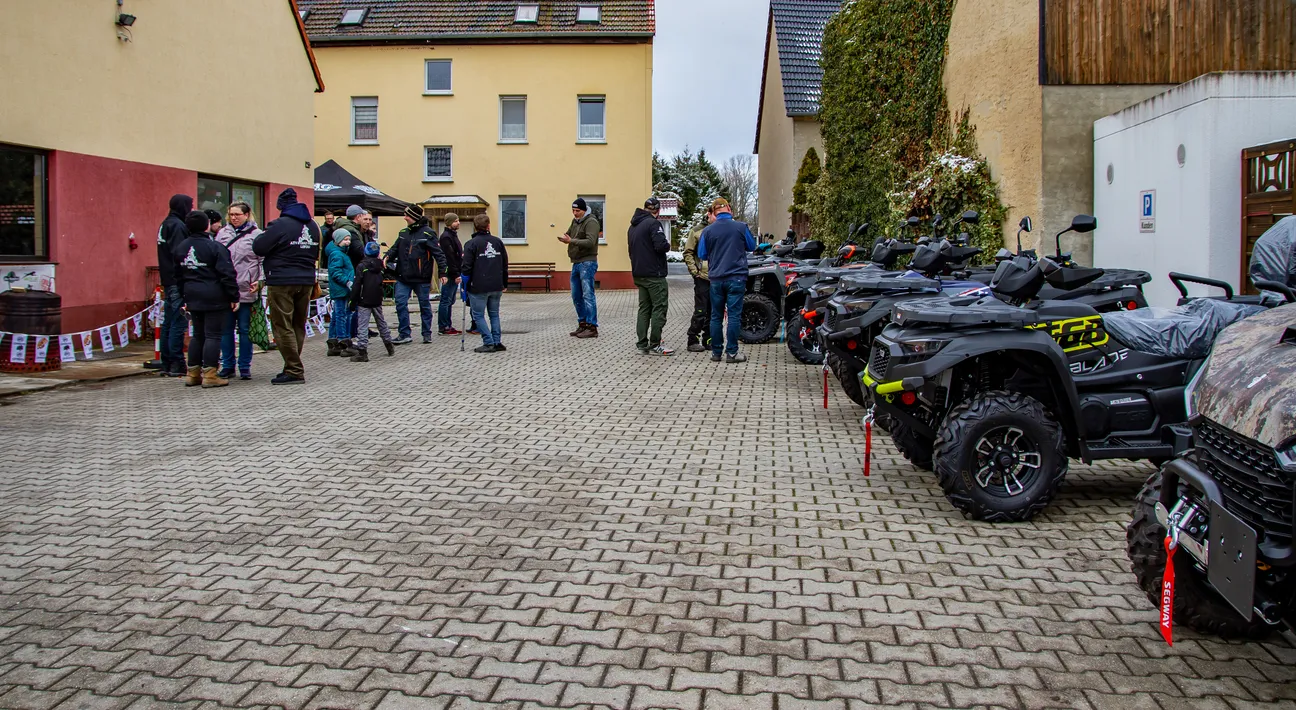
{"x": 823, "y": 290}
{"x": 929, "y": 346}
{"x": 858, "y": 305}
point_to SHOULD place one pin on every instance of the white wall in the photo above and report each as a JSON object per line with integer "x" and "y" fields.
{"x": 1198, "y": 205}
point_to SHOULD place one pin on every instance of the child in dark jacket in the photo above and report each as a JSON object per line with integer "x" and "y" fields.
{"x": 485, "y": 271}
{"x": 209, "y": 287}
{"x": 368, "y": 297}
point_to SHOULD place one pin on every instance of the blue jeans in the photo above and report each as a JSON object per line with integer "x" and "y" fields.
{"x": 243, "y": 319}
{"x": 174, "y": 326}
{"x": 484, "y": 304}
{"x": 403, "y": 291}
{"x": 582, "y": 288}
{"x": 340, "y": 321}
{"x": 445, "y": 308}
{"x": 726, "y": 296}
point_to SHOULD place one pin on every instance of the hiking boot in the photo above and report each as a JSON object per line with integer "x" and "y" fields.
{"x": 391, "y": 349}
{"x": 193, "y": 377}
{"x": 499, "y": 347}
{"x": 362, "y": 355}
{"x": 591, "y": 331}
{"x": 715, "y": 357}
{"x": 347, "y": 349}
{"x": 450, "y": 331}
{"x": 579, "y": 329}
{"x": 484, "y": 349}
{"x": 333, "y": 349}
{"x": 178, "y": 368}
{"x": 696, "y": 348}
{"x": 736, "y": 358}
{"x": 211, "y": 378}
{"x": 226, "y": 373}
{"x": 661, "y": 350}
{"x": 402, "y": 341}
{"x": 284, "y": 378}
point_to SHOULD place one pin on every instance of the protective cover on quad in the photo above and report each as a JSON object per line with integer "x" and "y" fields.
{"x": 1274, "y": 256}
{"x": 1121, "y": 277}
{"x": 961, "y": 312}
{"x": 883, "y": 281}
{"x": 1185, "y": 331}
{"x": 1249, "y": 383}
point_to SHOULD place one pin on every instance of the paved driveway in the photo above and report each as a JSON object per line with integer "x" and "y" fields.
{"x": 565, "y": 524}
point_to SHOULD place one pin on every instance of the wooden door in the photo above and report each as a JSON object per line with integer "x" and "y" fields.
{"x": 1267, "y": 195}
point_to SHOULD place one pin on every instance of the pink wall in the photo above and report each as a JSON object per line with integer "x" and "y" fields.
{"x": 95, "y": 204}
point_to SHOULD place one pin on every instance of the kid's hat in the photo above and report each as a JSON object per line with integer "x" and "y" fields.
{"x": 371, "y": 249}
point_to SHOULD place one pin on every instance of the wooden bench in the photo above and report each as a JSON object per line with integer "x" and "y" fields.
{"x": 521, "y": 271}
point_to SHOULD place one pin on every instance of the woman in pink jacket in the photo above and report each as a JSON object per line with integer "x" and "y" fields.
{"x": 237, "y": 236}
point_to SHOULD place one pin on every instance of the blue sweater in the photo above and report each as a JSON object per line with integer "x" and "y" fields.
{"x": 724, "y": 245}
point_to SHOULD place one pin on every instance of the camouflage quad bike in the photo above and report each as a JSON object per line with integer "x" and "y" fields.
{"x": 1226, "y": 506}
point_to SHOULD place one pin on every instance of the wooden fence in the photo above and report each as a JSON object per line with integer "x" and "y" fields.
{"x": 1162, "y": 41}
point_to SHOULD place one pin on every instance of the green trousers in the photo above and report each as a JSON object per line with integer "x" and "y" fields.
{"x": 652, "y": 310}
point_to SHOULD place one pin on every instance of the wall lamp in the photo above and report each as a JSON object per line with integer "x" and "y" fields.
{"x": 125, "y": 20}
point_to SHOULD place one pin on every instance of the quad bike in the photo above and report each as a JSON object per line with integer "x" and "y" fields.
{"x": 1001, "y": 392}
{"x": 855, "y": 316}
{"x": 765, "y": 280}
{"x": 1226, "y": 505}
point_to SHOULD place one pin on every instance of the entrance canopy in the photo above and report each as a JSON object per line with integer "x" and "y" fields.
{"x": 336, "y": 189}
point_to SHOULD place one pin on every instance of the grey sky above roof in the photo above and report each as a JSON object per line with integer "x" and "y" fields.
{"x": 396, "y": 19}
{"x": 798, "y": 28}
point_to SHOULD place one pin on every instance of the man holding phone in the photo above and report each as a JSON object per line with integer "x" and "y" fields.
{"x": 581, "y": 239}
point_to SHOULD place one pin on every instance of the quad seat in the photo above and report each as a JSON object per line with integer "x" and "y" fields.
{"x": 1186, "y": 331}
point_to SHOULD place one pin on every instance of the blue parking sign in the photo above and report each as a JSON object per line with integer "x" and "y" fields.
{"x": 1147, "y": 218}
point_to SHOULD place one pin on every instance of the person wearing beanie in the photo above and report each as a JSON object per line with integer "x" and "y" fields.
{"x": 174, "y": 322}
{"x": 412, "y": 256}
{"x": 214, "y": 220}
{"x": 366, "y": 301}
{"x": 289, "y": 248}
{"x": 453, "y": 250}
{"x": 485, "y": 273}
{"x": 237, "y": 236}
{"x": 209, "y": 286}
{"x": 341, "y": 278}
{"x": 581, "y": 239}
{"x": 648, "y": 245}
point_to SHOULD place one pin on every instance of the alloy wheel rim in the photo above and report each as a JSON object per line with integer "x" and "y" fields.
{"x": 1008, "y": 461}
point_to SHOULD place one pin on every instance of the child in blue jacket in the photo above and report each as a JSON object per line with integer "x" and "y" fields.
{"x": 341, "y": 277}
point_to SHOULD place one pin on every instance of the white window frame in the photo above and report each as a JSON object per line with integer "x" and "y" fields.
{"x": 438, "y": 92}
{"x": 364, "y": 14}
{"x": 602, "y": 240}
{"x": 512, "y": 240}
{"x": 438, "y": 178}
{"x": 354, "y": 105}
{"x": 513, "y": 97}
{"x": 527, "y": 13}
{"x": 591, "y": 98}
{"x": 598, "y": 14}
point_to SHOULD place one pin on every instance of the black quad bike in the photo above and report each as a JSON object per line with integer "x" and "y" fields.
{"x": 1001, "y": 396}
{"x": 761, "y": 316}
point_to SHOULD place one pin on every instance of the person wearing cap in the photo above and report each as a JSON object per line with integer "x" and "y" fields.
{"x": 581, "y": 239}
{"x": 724, "y": 245}
{"x": 366, "y": 301}
{"x": 357, "y": 234}
{"x": 699, "y": 330}
{"x": 413, "y": 254}
{"x": 647, "y": 242}
{"x": 207, "y": 282}
{"x": 289, "y": 248}
{"x": 214, "y": 221}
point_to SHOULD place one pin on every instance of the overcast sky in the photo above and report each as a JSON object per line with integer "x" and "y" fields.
{"x": 707, "y": 59}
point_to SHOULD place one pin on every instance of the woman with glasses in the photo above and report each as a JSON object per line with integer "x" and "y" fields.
{"x": 237, "y": 236}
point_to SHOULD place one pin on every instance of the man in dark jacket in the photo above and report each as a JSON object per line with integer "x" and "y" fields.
{"x": 485, "y": 271}
{"x": 454, "y": 266}
{"x": 725, "y": 245}
{"x": 648, "y": 246}
{"x": 581, "y": 239}
{"x": 290, "y": 249}
{"x": 174, "y": 323}
{"x": 207, "y": 283}
{"x": 415, "y": 250}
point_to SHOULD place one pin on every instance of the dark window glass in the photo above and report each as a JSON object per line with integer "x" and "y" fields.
{"x": 438, "y": 162}
{"x": 23, "y": 217}
{"x": 513, "y": 218}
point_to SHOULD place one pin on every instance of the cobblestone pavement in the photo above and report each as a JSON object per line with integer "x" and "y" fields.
{"x": 565, "y": 524}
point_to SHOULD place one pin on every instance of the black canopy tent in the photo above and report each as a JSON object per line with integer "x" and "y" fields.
{"x": 336, "y": 189}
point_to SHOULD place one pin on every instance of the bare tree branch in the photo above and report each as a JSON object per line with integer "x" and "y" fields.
{"x": 739, "y": 176}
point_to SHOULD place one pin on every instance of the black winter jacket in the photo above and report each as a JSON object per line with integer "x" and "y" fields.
{"x": 453, "y": 254}
{"x": 648, "y": 245}
{"x": 170, "y": 234}
{"x": 415, "y": 249}
{"x": 205, "y": 274}
{"x": 485, "y": 263}
{"x": 290, "y": 247}
{"x": 369, "y": 283}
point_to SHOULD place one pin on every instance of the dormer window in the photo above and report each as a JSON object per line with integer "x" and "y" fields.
{"x": 587, "y": 13}
{"x": 354, "y": 18}
{"x": 304, "y": 14}
{"x": 527, "y": 13}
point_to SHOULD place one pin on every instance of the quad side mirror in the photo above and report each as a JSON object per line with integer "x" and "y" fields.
{"x": 1084, "y": 223}
{"x": 1025, "y": 224}
{"x": 972, "y": 217}
{"x": 911, "y": 222}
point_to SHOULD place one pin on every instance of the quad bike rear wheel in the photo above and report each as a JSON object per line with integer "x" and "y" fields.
{"x": 1000, "y": 457}
{"x": 803, "y": 342}
{"x": 1196, "y": 605}
{"x": 760, "y": 319}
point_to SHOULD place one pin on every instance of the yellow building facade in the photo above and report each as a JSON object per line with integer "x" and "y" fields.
{"x": 517, "y": 120}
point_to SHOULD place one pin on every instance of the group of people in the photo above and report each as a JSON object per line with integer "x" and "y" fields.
{"x": 213, "y": 272}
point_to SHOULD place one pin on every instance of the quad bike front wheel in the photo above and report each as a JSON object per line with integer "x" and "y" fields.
{"x": 803, "y": 342}
{"x": 1196, "y": 605}
{"x": 1000, "y": 457}
{"x": 760, "y": 319}
{"x": 848, "y": 377}
{"x": 916, "y": 448}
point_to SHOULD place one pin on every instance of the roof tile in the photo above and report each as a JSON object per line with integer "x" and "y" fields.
{"x": 429, "y": 19}
{"x": 799, "y": 27}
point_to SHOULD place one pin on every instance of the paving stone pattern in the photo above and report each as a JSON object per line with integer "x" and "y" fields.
{"x": 568, "y": 524}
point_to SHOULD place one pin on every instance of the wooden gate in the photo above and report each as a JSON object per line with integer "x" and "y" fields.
{"x": 1267, "y": 195}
